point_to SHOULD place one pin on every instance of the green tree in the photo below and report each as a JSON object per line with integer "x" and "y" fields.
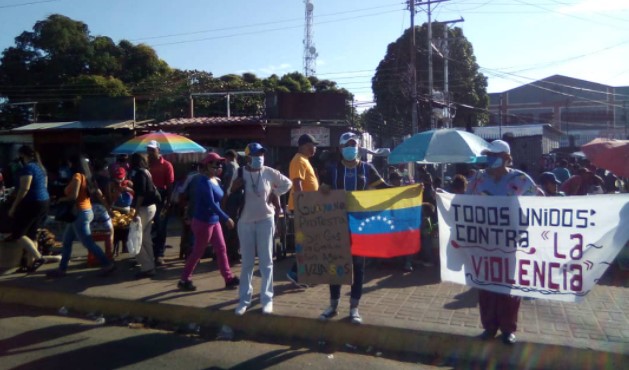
{"x": 96, "y": 85}
{"x": 392, "y": 82}
{"x": 46, "y": 65}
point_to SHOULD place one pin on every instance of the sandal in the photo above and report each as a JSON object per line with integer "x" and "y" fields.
{"x": 36, "y": 264}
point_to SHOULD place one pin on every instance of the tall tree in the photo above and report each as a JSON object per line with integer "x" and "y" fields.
{"x": 46, "y": 65}
{"x": 392, "y": 82}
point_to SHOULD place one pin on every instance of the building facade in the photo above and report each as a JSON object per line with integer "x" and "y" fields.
{"x": 582, "y": 110}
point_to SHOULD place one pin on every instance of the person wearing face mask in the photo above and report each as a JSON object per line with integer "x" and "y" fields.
{"x": 256, "y": 225}
{"x": 500, "y": 311}
{"x": 350, "y": 174}
{"x": 205, "y": 223}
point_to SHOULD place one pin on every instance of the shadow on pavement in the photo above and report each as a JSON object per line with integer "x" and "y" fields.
{"x": 128, "y": 351}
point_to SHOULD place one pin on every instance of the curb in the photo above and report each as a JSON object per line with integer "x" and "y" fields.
{"x": 444, "y": 347}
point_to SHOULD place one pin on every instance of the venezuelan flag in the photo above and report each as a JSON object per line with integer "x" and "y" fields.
{"x": 385, "y": 223}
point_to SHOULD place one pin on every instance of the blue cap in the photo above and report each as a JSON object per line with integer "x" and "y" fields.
{"x": 254, "y": 149}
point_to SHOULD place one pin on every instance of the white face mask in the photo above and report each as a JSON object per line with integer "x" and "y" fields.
{"x": 257, "y": 162}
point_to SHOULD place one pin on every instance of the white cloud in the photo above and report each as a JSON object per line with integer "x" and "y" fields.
{"x": 595, "y": 6}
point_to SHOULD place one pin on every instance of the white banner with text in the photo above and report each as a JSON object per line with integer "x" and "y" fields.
{"x": 543, "y": 247}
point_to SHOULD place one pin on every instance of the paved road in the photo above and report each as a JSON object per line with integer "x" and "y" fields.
{"x": 40, "y": 339}
{"x": 406, "y": 312}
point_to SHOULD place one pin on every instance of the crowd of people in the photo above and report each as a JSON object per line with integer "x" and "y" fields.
{"x": 233, "y": 205}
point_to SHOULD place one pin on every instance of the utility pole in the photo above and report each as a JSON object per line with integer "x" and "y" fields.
{"x": 413, "y": 69}
{"x": 430, "y": 79}
{"x": 624, "y": 111}
{"x": 446, "y": 57}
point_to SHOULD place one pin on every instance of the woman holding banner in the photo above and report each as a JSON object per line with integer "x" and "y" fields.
{"x": 500, "y": 311}
{"x": 350, "y": 174}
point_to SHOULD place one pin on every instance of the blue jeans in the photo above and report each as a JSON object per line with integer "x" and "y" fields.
{"x": 160, "y": 227}
{"x": 80, "y": 229}
{"x": 357, "y": 287}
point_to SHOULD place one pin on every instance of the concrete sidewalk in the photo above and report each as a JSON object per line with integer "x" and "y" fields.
{"x": 403, "y": 312}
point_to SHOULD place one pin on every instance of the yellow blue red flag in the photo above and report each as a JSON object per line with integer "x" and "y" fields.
{"x": 386, "y": 222}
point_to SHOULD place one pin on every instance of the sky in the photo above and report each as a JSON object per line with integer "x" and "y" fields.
{"x": 515, "y": 41}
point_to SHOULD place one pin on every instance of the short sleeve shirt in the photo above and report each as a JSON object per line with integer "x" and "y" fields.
{"x": 361, "y": 177}
{"x": 162, "y": 173}
{"x": 514, "y": 182}
{"x": 300, "y": 168}
{"x": 37, "y": 191}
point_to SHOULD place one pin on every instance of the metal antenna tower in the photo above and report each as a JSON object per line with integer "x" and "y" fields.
{"x": 310, "y": 52}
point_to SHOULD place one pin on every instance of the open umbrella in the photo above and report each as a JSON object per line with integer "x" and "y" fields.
{"x": 612, "y": 155}
{"x": 440, "y": 146}
{"x": 168, "y": 144}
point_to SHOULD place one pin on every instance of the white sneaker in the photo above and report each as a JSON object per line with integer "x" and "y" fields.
{"x": 267, "y": 309}
{"x": 240, "y": 310}
{"x": 355, "y": 316}
{"x": 329, "y": 313}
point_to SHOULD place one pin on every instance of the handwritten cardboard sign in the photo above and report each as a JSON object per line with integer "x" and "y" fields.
{"x": 322, "y": 238}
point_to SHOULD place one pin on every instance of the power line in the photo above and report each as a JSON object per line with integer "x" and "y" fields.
{"x": 259, "y": 24}
{"x": 26, "y": 4}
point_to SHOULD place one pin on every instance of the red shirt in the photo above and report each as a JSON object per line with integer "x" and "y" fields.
{"x": 162, "y": 173}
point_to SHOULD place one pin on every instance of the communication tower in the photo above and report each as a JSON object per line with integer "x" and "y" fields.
{"x": 310, "y": 52}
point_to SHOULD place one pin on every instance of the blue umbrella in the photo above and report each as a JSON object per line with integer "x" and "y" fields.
{"x": 440, "y": 146}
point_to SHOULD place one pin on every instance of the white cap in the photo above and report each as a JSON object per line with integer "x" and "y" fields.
{"x": 153, "y": 144}
{"x": 347, "y": 137}
{"x": 497, "y": 146}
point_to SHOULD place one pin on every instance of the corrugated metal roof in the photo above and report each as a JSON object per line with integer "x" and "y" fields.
{"x": 211, "y": 121}
{"x": 77, "y": 125}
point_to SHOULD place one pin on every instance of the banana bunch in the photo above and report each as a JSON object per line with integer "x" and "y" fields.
{"x": 122, "y": 220}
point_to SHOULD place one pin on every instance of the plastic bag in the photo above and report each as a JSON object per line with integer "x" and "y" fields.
{"x": 134, "y": 240}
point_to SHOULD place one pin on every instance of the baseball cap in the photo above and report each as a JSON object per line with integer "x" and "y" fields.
{"x": 497, "y": 146}
{"x": 212, "y": 157}
{"x": 305, "y": 139}
{"x": 120, "y": 173}
{"x": 347, "y": 137}
{"x": 254, "y": 149}
{"x": 153, "y": 144}
{"x": 547, "y": 177}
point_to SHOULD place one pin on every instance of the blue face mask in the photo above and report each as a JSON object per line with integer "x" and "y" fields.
{"x": 257, "y": 162}
{"x": 350, "y": 153}
{"x": 494, "y": 162}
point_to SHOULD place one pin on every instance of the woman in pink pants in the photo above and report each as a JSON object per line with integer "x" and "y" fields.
{"x": 207, "y": 194}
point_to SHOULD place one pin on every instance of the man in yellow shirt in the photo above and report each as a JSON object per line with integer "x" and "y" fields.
{"x": 304, "y": 179}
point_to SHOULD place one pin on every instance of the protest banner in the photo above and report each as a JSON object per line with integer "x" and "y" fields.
{"x": 554, "y": 248}
{"x": 322, "y": 243}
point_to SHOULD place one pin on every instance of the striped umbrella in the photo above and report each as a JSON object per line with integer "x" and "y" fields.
{"x": 168, "y": 143}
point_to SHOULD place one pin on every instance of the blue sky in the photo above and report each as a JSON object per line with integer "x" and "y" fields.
{"x": 515, "y": 41}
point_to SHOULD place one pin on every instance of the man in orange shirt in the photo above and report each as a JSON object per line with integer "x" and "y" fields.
{"x": 163, "y": 177}
{"x": 304, "y": 178}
